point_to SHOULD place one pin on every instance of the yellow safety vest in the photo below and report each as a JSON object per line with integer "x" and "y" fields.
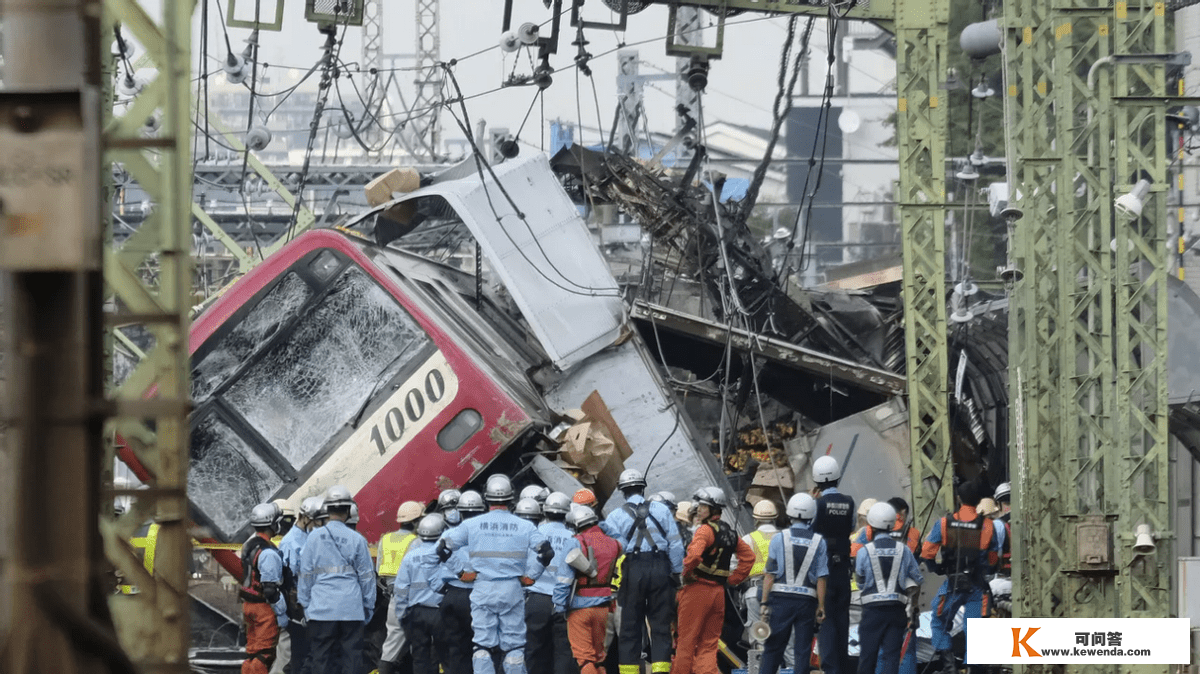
{"x": 147, "y": 544}
{"x": 616, "y": 576}
{"x": 761, "y": 542}
{"x": 392, "y": 548}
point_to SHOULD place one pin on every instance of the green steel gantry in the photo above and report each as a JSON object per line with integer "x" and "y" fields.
{"x": 151, "y": 279}
{"x": 1086, "y": 97}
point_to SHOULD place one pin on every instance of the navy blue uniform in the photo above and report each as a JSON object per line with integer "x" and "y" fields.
{"x": 835, "y": 522}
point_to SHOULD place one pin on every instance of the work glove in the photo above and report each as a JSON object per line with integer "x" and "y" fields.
{"x": 526, "y": 581}
{"x": 443, "y": 551}
{"x": 467, "y": 576}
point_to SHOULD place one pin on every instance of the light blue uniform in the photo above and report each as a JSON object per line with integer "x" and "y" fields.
{"x": 270, "y": 570}
{"x": 619, "y": 525}
{"x": 290, "y": 547}
{"x": 502, "y": 550}
{"x": 413, "y": 584}
{"x": 337, "y": 577}
{"x": 556, "y": 580}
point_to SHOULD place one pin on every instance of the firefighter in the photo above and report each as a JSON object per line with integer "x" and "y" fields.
{"x": 834, "y": 521}
{"x": 447, "y": 505}
{"x": 337, "y": 589}
{"x": 794, "y": 584}
{"x": 287, "y": 520}
{"x": 547, "y": 647}
{"x": 289, "y": 548}
{"x": 415, "y": 599}
{"x": 1003, "y": 498}
{"x": 585, "y": 497}
{"x": 529, "y": 510}
{"x": 890, "y": 580}
{"x": 508, "y": 554}
{"x": 393, "y": 547}
{"x": 263, "y": 606}
{"x": 590, "y": 604}
{"x": 759, "y": 540}
{"x": 649, "y": 574}
{"x": 458, "y": 578}
{"x": 536, "y": 492}
{"x": 352, "y": 520}
{"x": 969, "y": 547}
{"x": 706, "y": 573}
{"x": 900, "y": 530}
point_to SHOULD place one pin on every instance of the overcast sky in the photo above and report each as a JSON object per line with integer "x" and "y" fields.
{"x": 742, "y": 83}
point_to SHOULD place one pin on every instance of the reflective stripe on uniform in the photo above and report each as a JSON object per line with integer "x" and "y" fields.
{"x": 499, "y": 554}
{"x": 392, "y": 548}
{"x": 761, "y": 543}
{"x": 795, "y": 578}
{"x": 885, "y": 588}
{"x": 656, "y": 667}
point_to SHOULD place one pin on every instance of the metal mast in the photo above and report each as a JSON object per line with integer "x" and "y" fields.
{"x": 425, "y": 116}
{"x": 1086, "y": 102}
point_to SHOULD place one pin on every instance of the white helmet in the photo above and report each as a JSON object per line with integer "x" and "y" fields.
{"x": 802, "y": 507}
{"x": 471, "y": 503}
{"x": 557, "y": 503}
{"x": 498, "y": 489}
{"x": 882, "y": 516}
{"x": 448, "y": 499}
{"x": 826, "y": 469}
{"x": 1003, "y": 492}
{"x": 353, "y": 518}
{"x": 310, "y": 506}
{"x": 765, "y": 510}
{"x": 582, "y": 517}
{"x": 529, "y": 509}
{"x": 431, "y": 527}
{"x": 535, "y": 492}
{"x": 631, "y": 478}
{"x": 264, "y": 515}
{"x": 337, "y": 495}
{"x": 713, "y": 497}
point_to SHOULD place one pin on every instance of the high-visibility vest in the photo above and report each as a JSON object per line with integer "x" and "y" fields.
{"x": 761, "y": 542}
{"x": 392, "y": 548}
{"x": 145, "y": 547}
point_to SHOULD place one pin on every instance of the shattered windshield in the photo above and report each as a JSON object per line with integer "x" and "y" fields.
{"x": 305, "y": 388}
{"x": 226, "y": 478}
{"x": 273, "y": 311}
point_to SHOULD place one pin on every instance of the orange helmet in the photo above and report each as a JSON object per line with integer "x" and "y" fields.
{"x": 584, "y": 497}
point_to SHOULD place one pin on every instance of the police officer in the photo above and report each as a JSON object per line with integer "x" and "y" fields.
{"x": 890, "y": 580}
{"x": 263, "y": 609}
{"x": 508, "y": 554}
{"x": 415, "y": 598}
{"x": 705, "y": 575}
{"x": 458, "y": 577}
{"x": 547, "y": 647}
{"x": 289, "y": 548}
{"x": 969, "y": 548}
{"x": 590, "y": 603}
{"x": 337, "y": 589}
{"x": 759, "y": 540}
{"x": 649, "y": 575}
{"x": 834, "y": 521}
{"x": 794, "y": 585}
{"x": 393, "y": 547}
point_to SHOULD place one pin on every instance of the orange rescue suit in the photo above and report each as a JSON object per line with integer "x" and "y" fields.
{"x": 702, "y": 600}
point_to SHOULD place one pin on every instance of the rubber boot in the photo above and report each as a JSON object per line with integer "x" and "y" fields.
{"x": 949, "y": 665}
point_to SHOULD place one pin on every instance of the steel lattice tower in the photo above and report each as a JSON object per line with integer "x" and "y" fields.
{"x": 425, "y": 126}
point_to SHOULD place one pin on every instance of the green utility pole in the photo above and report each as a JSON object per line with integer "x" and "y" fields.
{"x": 1085, "y": 104}
{"x": 153, "y": 624}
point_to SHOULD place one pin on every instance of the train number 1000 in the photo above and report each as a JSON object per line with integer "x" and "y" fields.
{"x": 408, "y": 410}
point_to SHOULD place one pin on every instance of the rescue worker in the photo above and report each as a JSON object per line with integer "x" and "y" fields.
{"x": 706, "y": 572}
{"x": 585, "y": 497}
{"x": 969, "y": 548}
{"x": 759, "y": 540}
{"x": 528, "y": 510}
{"x": 890, "y": 580}
{"x": 794, "y": 583}
{"x": 458, "y": 578}
{"x": 683, "y": 522}
{"x": 263, "y": 608}
{"x": 287, "y": 520}
{"x": 337, "y": 589}
{"x": 289, "y": 548}
{"x": 649, "y": 575}
{"x": 447, "y": 505}
{"x": 415, "y": 600}
{"x": 1003, "y": 498}
{"x": 547, "y": 647}
{"x": 393, "y": 547}
{"x": 910, "y": 536}
{"x": 863, "y": 509}
{"x": 834, "y": 521}
{"x": 590, "y": 604}
{"x": 508, "y": 554}
{"x": 352, "y": 521}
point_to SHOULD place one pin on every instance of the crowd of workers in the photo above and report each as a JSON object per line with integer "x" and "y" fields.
{"x": 490, "y": 582}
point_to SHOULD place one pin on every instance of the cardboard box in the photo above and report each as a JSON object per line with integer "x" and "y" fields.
{"x": 379, "y": 191}
{"x": 595, "y": 446}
